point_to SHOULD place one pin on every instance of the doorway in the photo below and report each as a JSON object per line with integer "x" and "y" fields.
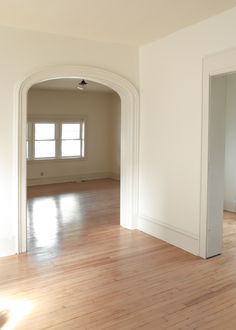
{"x": 73, "y": 158}
{"x": 129, "y": 140}
{"x": 222, "y": 161}
{"x": 218, "y": 70}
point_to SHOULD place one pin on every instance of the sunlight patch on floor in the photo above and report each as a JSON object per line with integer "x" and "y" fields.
{"x": 12, "y": 312}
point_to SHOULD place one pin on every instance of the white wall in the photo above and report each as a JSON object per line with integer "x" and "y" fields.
{"x": 171, "y": 124}
{"x": 230, "y": 145}
{"x": 102, "y": 134}
{"x": 22, "y": 53}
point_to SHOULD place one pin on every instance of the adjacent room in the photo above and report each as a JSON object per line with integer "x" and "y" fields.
{"x": 230, "y": 165}
{"x": 222, "y": 165}
{"x": 73, "y": 162}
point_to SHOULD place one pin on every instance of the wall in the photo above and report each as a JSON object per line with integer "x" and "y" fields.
{"x": 171, "y": 121}
{"x": 171, "y": 126}
{"x": 230, "y": 145}
{"x": 115, "y": 136}
{"x": 102, "y": 134}
{"x": 26, "y": 52}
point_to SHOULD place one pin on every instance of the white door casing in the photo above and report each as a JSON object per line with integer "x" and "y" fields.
{"x": 212, "y": 162}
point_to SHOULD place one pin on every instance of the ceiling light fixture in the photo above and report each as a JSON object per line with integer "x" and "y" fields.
{"x": 82, "y": 85}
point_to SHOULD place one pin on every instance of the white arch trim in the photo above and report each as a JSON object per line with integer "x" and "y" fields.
{"x": 129, "y": 139}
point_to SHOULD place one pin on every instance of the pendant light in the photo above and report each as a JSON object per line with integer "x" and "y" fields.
{"x": 82, "y": 84}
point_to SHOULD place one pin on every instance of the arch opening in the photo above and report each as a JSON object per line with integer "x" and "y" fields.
{"x": 129, "y": 140}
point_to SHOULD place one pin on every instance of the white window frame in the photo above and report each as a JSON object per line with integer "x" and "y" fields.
{"x": 58, "y": 137}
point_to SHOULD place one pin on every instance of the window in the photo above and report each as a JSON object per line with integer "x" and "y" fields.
{"x": 71, "y": 140}
{"x": 55, "y": 140}
{"x": 44, "y": 141}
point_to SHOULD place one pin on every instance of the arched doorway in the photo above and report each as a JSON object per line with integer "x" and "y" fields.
{"x": 129, "y": 139}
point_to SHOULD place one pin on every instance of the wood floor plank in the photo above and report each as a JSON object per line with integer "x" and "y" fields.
{"x": 84, "y": 271}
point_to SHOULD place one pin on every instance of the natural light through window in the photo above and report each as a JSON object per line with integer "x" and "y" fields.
{"x": 45, "y": 144}
{"x": 71, "y": 140}
{"x": 55, "y": 140}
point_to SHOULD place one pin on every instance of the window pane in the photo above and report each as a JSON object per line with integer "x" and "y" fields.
{"x": 44, "y": 131}
{"x": 70, "y": 131}
{"x": 44, "y": 149}
{"x": 70, "y": 148}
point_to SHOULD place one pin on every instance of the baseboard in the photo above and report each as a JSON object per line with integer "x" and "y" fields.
{"x": 69, "y": 178}
{"x": 115, "y": 176}
{"x": 169, "y": 234}
{"x": 230, "y": 206}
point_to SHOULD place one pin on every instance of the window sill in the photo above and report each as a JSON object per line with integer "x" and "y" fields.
{"x": 56, "y": 160}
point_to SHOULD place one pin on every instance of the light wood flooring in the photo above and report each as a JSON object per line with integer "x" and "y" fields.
{"x": 83, "y": 271}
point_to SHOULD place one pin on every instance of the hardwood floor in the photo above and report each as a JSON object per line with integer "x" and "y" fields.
{"x": 62, "y": 217}
{"x": 83, "y": 271}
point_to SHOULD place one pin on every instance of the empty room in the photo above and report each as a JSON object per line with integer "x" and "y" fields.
{"x": 117, "y": 165}
{"x": 73, "y": 163}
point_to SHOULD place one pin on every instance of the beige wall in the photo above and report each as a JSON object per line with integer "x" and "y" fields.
{"x": 115, "y": 135}
{"x": 102, "y": 114}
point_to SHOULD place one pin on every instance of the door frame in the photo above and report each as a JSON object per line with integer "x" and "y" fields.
{"x": 217, "y": 64}
{"x": 129, "y": 140}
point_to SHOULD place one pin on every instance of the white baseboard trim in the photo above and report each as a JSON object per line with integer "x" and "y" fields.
{"x": 170, "y": 234}
{"x": 229, "y": 206}
{"x": 70, "y": 178}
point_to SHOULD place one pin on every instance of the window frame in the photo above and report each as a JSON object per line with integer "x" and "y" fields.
{"x": 58, "y": 122}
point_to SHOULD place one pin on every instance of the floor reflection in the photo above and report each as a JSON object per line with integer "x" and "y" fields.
{"x": 67, "y": 204}
{"x": 51, "y": 218}
{"x": 43, "y": 221}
